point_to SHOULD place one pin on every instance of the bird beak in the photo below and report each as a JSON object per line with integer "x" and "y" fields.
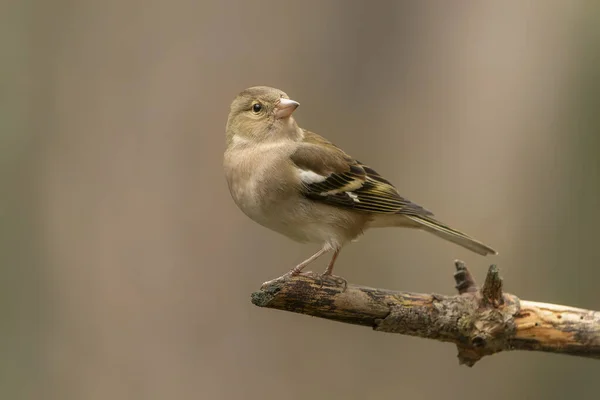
{"x": 285, "y": 108}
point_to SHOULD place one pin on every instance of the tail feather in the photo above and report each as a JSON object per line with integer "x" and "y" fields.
{"x": 445, "y": 232}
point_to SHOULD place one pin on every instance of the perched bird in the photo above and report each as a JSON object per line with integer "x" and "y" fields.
{"x": 299, "y": 184}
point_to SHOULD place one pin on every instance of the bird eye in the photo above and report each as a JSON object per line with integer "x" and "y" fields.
{"x": 256, "y": 107}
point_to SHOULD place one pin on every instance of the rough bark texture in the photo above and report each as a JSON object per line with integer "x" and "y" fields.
{"x": 479, "y": 321}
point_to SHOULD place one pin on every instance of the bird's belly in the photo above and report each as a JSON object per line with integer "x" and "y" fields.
{"x": 304, "y": 221}
{"x": 286, "y": 211}
{"x": 311, "y": 228}
{"x": 279, "y": 213}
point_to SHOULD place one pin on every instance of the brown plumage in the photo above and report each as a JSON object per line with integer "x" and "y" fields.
{"x": 297, "y": 183}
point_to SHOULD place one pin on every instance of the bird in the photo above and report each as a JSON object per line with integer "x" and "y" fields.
{"x": 301, "y": 185}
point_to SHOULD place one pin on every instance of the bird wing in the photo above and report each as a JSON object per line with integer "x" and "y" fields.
{"x": 332, "y": 177}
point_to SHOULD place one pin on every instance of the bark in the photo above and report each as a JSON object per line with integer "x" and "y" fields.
{"x": 480, "y": 321}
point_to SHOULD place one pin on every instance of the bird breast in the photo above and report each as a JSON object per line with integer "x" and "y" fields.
{"x": 254, "y": 176}
{"x": 266, "y": 187}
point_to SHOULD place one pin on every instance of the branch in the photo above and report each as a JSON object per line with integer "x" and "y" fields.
{"x": 480, "y": 321}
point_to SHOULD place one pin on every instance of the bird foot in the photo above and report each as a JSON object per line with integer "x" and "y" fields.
{"x": 324, "y": 278}
{"x": 334, "y": 280}
{"x": 331, "y": 280}
{"x": 290, "y": 275}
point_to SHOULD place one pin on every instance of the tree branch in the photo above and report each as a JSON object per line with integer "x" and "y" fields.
{"x": 479, "y": 321}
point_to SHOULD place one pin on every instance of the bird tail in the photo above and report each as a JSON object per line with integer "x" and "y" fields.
{"x": 445, "y": 232}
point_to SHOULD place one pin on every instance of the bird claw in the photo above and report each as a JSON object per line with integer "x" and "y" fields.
{"x": 290, "y": 275}
{"x": 332, "y": 280}
{"x": 313, "y": 275}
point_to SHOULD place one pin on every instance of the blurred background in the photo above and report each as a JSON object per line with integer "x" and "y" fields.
{"x": 126, "y": 268}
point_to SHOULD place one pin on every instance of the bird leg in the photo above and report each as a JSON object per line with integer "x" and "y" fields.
{"x": 325, "y": 276}
{"x": 329, "y": 269}
{"x": 298, "y": 268}
{"x": 328, "y": 276}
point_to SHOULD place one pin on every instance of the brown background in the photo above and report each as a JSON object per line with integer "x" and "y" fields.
{"x": 127, "y": 268}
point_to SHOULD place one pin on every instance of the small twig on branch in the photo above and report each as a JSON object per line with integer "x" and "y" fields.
{"x": 479, "y": 321}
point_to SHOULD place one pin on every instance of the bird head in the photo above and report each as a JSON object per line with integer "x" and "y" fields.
{"x": 261, "y": 114}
